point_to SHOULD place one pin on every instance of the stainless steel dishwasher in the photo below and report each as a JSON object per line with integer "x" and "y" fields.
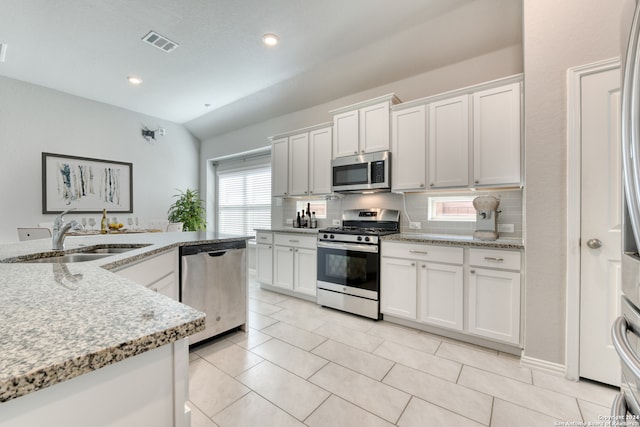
{"x": 213, "y": 279}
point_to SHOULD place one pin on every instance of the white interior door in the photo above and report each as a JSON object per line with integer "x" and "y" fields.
{"x": 601, "y": 246}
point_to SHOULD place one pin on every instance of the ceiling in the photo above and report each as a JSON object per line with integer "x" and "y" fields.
{"x": 328, "y": 49}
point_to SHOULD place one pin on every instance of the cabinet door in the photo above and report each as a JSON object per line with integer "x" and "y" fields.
{"x": 496, "y": 136}
{"x": 409, "y": 146}
{"x": 449, "y": 143}
{"x": 264, "y": 264}
{"x": 440, "y": 295}
{"x": 280, "y": 167}
{"x": 345, "y": 134}
{"x": 398, "y": 287}
{"x": 374, "y": 128}
{"x": 494, "y": 304}
{"x": 283, "y": 267}
{"x": 320, "y": 141}
{"x": 299, "y": 165}
{"x": 305, "y": 271}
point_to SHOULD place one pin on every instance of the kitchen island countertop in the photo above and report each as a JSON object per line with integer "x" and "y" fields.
{"x": 456, "y": 240}
{"x": 64, "y": 320}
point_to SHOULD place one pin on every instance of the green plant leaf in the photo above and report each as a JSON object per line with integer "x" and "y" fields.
{"x": 188, "y": 209}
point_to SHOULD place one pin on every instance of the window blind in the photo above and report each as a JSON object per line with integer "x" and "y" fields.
{"x": 244, "y": 200}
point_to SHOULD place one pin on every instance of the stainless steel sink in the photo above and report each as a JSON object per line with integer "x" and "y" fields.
{"x": 90, "y": 253}
{"x": 77, "y": 257}
{"x": 118, "y": 250}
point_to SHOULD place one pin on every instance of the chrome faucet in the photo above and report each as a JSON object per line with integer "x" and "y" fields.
{"x": 60, "y": 229}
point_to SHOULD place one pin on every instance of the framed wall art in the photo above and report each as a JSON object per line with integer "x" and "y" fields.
{"x": 88, "y": 185}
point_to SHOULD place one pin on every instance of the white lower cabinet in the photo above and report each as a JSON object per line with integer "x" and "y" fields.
{"x": 158, "y": 273}
{"x": 264, "y": 257}
{"x": 426, "y": 284}
{"x": 294, "y": 263}
{"x": 441, "y": 295}
{"x": 398, "y": 293}
{"x": 416, "y": 284}
{"x": 494, "y": 295}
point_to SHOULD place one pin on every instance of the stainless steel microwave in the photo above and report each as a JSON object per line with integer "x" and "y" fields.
{"x": 362, "y": 173}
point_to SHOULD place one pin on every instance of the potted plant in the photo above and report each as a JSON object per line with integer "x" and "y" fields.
{"x": 188, "y": 210}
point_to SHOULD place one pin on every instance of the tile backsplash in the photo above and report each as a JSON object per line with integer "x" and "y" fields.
{"x": 412, "y": 207}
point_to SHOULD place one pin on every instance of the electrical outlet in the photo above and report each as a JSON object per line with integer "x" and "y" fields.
{"x": 414, "y": 225}
{"x": 336, "y": 222}
{"x": 506, "y": 228}
{"x": 289, "y": 221}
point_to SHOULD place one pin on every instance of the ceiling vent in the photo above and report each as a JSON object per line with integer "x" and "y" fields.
{"x": 159, "y": 41}
{"x": 3, "y": 51}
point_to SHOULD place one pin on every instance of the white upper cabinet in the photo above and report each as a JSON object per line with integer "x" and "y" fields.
{"x": 301, "y": 162}
{"x": 280, "y": 167}
{"x": 464, "y": 138}
{"x": 496, "y": 136}
{"x": 363, "y": 127}
{"x": 409, "y": 158}
{"x": 320, "y": 141}
{"x": 448, "y": 143}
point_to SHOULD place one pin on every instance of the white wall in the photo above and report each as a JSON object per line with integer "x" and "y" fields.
{"x": 557, "y": 35}
{"x": 34, "y": 119}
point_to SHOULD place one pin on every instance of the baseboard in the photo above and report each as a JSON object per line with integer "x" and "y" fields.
{"x": 543, "y": 365}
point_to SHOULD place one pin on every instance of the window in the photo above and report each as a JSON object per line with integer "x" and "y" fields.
{"x": 452, "y": 208}
{"x": 317, "y": 206}
{"x": 244, "y": 200}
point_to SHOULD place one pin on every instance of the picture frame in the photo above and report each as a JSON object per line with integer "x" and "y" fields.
{"x": 85, "y": 184}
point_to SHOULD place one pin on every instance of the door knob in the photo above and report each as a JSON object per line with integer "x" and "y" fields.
{"x": 594, "y": 243}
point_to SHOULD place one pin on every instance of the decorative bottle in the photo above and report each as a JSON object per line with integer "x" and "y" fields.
{"x": 103, "y": 222}
{"x": 298, "y": 221}
{"x": 314, "y": 221}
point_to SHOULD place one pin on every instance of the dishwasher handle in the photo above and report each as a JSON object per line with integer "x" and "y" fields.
{"x": 217, "y": 253}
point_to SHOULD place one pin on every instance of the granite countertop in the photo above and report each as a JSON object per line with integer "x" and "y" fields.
{"x": 456, "y": 240}
{"x": 64, "y": 320}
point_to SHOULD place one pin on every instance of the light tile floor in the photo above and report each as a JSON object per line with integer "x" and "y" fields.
{"x": 300, "y": 364}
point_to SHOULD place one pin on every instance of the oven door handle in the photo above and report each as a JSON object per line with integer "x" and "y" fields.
{"x": 349, "y": 247}
{"x": 623, "y": 346}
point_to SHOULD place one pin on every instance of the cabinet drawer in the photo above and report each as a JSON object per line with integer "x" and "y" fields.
{"x": 450, "y": 255}
{"x": 508, "y": 260}
{"x": 150, "y": 270}
{"x": 296, "y": 240}
{"x": 264, "y": 237}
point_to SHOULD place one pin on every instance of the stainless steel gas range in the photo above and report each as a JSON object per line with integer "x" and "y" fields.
{"x": 349, "y": 261}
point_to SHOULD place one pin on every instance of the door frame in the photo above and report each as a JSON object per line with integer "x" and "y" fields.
{"x": 574, "y": 209}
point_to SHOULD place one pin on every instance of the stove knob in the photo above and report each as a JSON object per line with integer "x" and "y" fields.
{"x": 360, "y": 238}
{"x": 324, "y": 236}
{"x": 332, "y": 236}
{"x": 366, "y": 239}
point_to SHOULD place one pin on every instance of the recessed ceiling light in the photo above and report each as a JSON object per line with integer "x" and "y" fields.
{"x": 134, "y": 80}
{"x": 270, "y": 39}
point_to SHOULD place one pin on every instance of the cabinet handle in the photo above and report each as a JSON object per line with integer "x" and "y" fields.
{"x": 355, "y": 152}
{"x": 413, "y": 264}
{"x": 263, "y": 237}
{"x": 493, "y": 258}
{"x": 290, "y": 249}
{"x": 421, "y": 185}
{"x": 294, "y": 241}
{"x": 472, "y": 271}
{"x": 432, "y": 184}
{"x": 269, "y": 247}
{"x": 477, "y": 181}
{"x": 419, "y": 252}
{"x": 295, "y": 250}
{"x": 424, "y": 266}
{"x": 310, "y": 192}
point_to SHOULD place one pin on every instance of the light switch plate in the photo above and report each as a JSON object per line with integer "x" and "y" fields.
{"x": 414, "y": 225}
{"x": 506, "y": 228}
{"x": 336, "y": 222}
